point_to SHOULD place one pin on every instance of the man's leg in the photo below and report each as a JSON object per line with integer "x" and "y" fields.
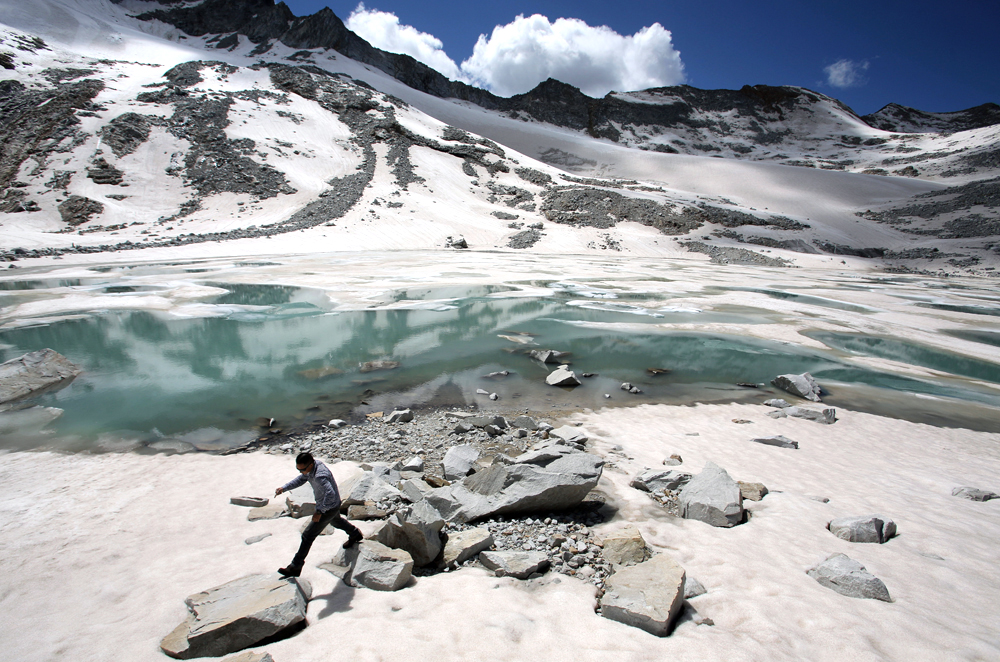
{"x": 309, "y": 535}
{"x": 354, "y": 534}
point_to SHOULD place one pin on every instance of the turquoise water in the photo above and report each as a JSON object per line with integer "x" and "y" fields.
{"x": 280, "y": 352}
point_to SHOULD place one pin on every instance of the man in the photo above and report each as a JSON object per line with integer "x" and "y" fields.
{"x": 327, "y": 509}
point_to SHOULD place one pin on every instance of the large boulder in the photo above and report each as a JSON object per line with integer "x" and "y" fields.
{"x": 712, "y": 497}
{"x": 848, "y": 577}
{"x": 461, "y": 546}
{"x": 648, "y": 596}
{"x": 460, "y": 461}
{"x": 625, "y": 547}
{"x": 378, "y": 567}
{"x": 369, "y": 487}
{"x": 417, "y": 529}
{"x": 238, "y": 614}
{"x": 519, "y": 565}
{"x": 655, "y": 480}
{"x": 33, "y": 374}
{"x": 554, "y": 478}
{"x": 867, "y": 528}
{"x": 562, "y": 376}
{"x": 802, "y": 385}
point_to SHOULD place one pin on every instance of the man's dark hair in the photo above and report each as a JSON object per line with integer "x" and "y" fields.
{"x": 304, "y": 460}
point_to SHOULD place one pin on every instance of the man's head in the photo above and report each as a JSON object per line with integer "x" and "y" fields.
{"x": 304, "y": 462}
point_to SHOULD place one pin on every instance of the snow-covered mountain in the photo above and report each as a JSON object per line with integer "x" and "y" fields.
{"x": 142, "y": 124}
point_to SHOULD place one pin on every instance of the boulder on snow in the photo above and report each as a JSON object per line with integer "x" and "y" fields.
{"x": 238, "y": 614}
{"x": 848, "y": 577}
{"x": 378, "y": 567}
{"x": 270, "y": 511}
{"x": 648, "y": 596}
{"x": 625, "y": 547}
{"x": 712, "y": 497}
{"x": 555, "y": 478}
{"x": 866, "y": 528}
{"x": 752, "y": 491}
{"x": 519, "y": 565}
{"x": 562, "y": 376}
{"x": 776, "y": 440}
{"x": 974, "y": 494}
{"x": 416, "y": 529}
{"x": 827, "y": 417}
{"x": 461, "y": 546}
{"x": 655, "y": 480}
{"x": 33, "y": 374}
{"x": 249, "y": 656}
{"x": 802, "y": 385}
{"x": 460, "y": 461}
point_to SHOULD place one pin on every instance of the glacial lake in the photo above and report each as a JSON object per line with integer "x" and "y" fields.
{"x": 167, "y": 380}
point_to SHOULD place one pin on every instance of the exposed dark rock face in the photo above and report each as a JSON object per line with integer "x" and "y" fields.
{"x": 126, "y": 132}
{"x": 901, "y": 119}
{"x": 728, "y": 255}
{"x": 525, "y": 239}
{"x": 840, "y": 249}
{"x": 103, "y": 172}
{"x": 77, "y": 209}
{"x": 936, "y": 213}
{"x": 601, "y": 208}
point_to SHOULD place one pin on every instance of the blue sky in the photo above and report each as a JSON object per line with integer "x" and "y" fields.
{"x": 934, "y": 56}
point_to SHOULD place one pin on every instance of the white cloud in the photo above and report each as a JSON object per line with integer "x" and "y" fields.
{"x": 382, "y": 30}
{"x": 846, "y": 73}
{"x": 519, "y": 55}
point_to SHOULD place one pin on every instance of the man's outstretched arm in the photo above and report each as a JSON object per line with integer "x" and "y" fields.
{"x": 291, "y": 485}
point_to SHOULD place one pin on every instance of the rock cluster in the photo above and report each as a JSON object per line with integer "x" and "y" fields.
{"x": 33, "y": 374}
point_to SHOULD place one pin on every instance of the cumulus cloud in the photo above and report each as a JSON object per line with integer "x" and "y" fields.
{"x": 846, "y": 73}
{"x": 382, "y": 30}
{"x": 519, "y": 55}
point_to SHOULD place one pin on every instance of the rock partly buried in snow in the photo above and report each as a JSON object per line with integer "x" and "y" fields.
{"x": 569, "y": 434}
{"x": 779, "y": 403}
{"x": 555, "y": 478}
{"x": 848, "y": 577}
{"x": 867, "y": 528}
{"x": 974, "y": 494}
{"x": 827, "y": 416}
{"x": 400, "y": 416}
{"x": 249, "y": 656}
{"x": 464, "y": 545}
{"x": 33, "y": 374}
{"x": 752, "y": 491}
{"x": 252, "y": 502}
{"x": 519, "y": 565}
{"x": 802, "y": 385}
{"x": 378, "y": 567}
{"x": 238, "y": 614}
{"x": 625, "y": 547}
{"x": 712, "y": 497}
{"x": 460, "y": 461}
{"x": 270, "y": 511}
{"x": 654, "y": 480}
{"x": 776, "y": 440}
{"x": 648, "y": 596}
{"x": 416, "y": 529}
{"x": 693, "y": 588}
{"x": 562, "y": 376}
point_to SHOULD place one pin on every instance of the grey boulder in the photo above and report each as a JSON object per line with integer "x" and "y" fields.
{"x": 802, "y": 385}
{"x": 554, "y": 478}
{"x": 655, "y": 480}
{"x": 547, "y": 355}
{"x": 400, "y": 416}
{"x": 974, "y": 494}
{"x": 460, "y": 461}
{"x": 827, "y": 416}
{"x": 648, "y": 596}
{"x": 370, "y": 487}
{"x": 378, "y": 567}
{"x": 779, "y": 403}
{"x": 712, "y": 497}
{"x": 776, "y": 440}
{"x": 868, "y": 528}
{"x": 416, "y": 529}
{"x": 848, "y": 577}
{"x": 562, "y": 376}
{"x": 238, "y": 614}
{"x": 33, "y": 374}
{"x": 462, "y": 546}
{"x": 519, "y": 565}
{"x": 570, "y": 434}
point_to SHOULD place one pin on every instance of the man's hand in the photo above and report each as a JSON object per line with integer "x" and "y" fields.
{"x": 278, "y": 491}
{"x": 316, "y": 516}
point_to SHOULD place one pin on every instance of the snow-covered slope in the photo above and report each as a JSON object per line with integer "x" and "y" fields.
{"x": 122, "y": 133}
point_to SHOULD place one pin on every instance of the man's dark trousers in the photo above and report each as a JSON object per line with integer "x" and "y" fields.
{"x": 331, "y": 516}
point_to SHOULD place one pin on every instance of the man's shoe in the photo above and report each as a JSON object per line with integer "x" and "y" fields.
{"x": 351, "y": 542}
{"x": 290, "y": 571}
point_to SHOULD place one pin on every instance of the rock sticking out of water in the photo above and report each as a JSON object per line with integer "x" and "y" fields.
{"x": 33, "y": 374}
{"x": 804, "y": 386}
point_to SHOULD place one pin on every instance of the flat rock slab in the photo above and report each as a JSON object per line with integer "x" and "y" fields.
{"x": 249, "y": 656}
{"x": 519, "y": 565}
{"x": 238, "y": 614}
{"x": 848, "y": 577}
{"x": 380, "y": 568}
{"x": 655, "y": 480}
{"x": 865, "y": 528}
{"x": 802, "y": 385}
{"x": 648, "y": 596}
{"x": 252, "y": 502}
{"x": 270, "y": 511}
{"x": 570, "y": 434}
{"x": 463, "y": 545}
{"x": 625, "y": 547}
{"x": 974, "y": 494}
{"x": 712, "y": 497}
{"x": 776, "y": 440}
{"x": 35, "y": 373}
